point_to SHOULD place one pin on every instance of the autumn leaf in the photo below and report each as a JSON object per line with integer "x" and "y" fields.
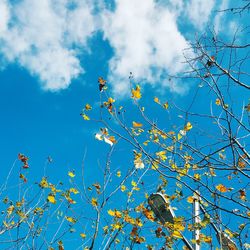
{"x": 51, "y": 199}
{"x": 221, "y": 188}
{"x": 88, "y": 107}
{"x": 162, "y": 155}
{"x": 156, "y": 99}
{"x": 85, "y": 117}
{"x": 70, "y": 219}
{"x": 44, "y": 183}
{"x": 94, "y": 202}
{"x": 218, "y": 102}
{"x": 136, "y": 93}
{"x": 190, "y": 199}
{"x": 83, "y": 235}
{"x": 71, "y": 174}
{"x": 177, "y": 234}
{"x": 73, "y": 190}
{"x": 137, "y": 124}
{"x": 118, "y": 174}
{"x": 188, "y": 126}
{"x": 165, "y": 105}
{"x": 123, "y": 188}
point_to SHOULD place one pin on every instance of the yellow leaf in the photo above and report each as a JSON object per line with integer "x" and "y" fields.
{"x": 179, "y": 136}
{"x": 221, "y": 188}
{"x": 83, "y": 235}
{"x": 111, "y": 100}
{"x": 88, "y": 107}
{"x": 118, "y": 174}
{"x": 73, "y": 190}
{"x": 156, "y": 99}
{"x": 136, "y": 93}
{"x": 188, "y": 126}
{"x": 190, "y": 199}
{"x": 162, "y": 155}
{"x": 10, "y": 210}
{"x": 44, "y": 183}
{"x": 70, "y": 219}
{"x": 94, "y": 202}
{"x": 111, "y": 212}
{"x": 218, "y": 102}
{"x": 137, "y": 125}
{"x": 123, "y": 188}
{"x": 85, "y": 117}
{"x": 177, "y": 234}
{"x": 133, "y": 183}
{"x": 197, "y": 177}
{"x": 229, "y": 233}
{"x": 165, "y": 105}
{"x": 51, "y": 199}
{"x": 71, "y": 174}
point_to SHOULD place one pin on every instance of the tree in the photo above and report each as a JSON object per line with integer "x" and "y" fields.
{"x": 200, "y": 149}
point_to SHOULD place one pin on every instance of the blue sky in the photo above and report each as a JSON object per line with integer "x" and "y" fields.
{"x": 52, "y": 54}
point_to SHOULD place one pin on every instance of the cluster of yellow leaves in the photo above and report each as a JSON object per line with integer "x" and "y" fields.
{"x": 115, "y": 213}
{"x": 136, "y": 93}
{"x": 221, "y": 188}
{"x": 83, "y": 114}
{"x": 162, "y": 155}
{"x": 138, "y": 161}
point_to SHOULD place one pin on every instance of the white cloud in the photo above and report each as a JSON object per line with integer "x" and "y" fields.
{"x": 146, "y": 41}
{"x": 42, "y": 36}
{"x": 199, "y": 11}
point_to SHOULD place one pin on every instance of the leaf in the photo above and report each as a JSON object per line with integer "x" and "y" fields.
{"x": 71, "y": 174}
{"x": 156, "y": 99}
{"x": 118, "y": 174}
{"x": 177, "y": 234}
{"x": 218, "y": 102}
{"x": 94, "y": 202}
{"x": 162, "y": 155}
{"x": 137, "y": 124}
{"x": 136, "y": 93}
{"x": 108, "y": 141}
{"x": 70, "y": 219}
{"x": 85, "y": 117}
{"x": 188, "y": 126}
{"x": 111, "y": 212}
{"x": 74, "y": 191}
{"x": 197, "y": 177}
{"x": 123, "y": 188}
{"x": 190, "y": 199}
{"x": 99, "y": 136}
{"x": 88, "y": 107}
{"x": 51, "y": 199}
{"x": 165, "y": 105}
{"x": 133, "y": 183}
{"x": 221, "y": 188}
{"x": 83, "y": 235}
{"x": 44, "y": 183}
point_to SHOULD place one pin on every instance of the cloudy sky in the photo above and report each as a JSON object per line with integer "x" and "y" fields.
{"x": 53, "y": 51}
{"x": 50, "y": 39}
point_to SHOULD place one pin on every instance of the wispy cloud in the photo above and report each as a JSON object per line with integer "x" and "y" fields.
{"x": 199, "y": 11}
{"x": 146, "y": 40}
{"x": 42, "y": 35}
